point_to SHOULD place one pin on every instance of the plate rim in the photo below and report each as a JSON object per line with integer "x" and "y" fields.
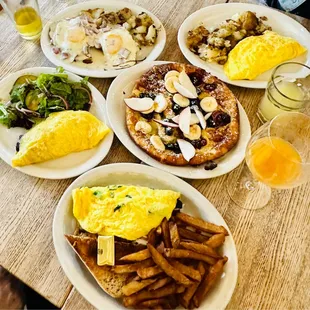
{"x": 124, "y": 167}
{"x": 101, "y": 73}
{"x": 102, "y": 108}
{"x": 241, "y": 83}
{"x": 136, "y": 151}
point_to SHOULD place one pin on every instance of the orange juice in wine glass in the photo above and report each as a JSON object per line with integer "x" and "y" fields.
{"x": 274, "y": 161}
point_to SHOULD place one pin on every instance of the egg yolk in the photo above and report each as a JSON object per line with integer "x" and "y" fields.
{"x": 76, "y": 35}
{"x": 114, "y": 43}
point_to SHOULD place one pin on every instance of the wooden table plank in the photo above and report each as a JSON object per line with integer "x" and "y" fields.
{"x": 272, "y": 243}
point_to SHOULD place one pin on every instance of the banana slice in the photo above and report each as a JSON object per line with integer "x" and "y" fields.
{"x": 169, "y": 84}
{"x": 157, "y": 143}
{"x": 149, "y": 110}
{"x": 144, "y": 127}
{"x": 186, "y": 82}
{"x": 160, "y": 103}
{"x": 181, "y": 100}
{"x": 194, "y": 119}
{"x": 208, "y": 104}
{"x": 172, "y": 73}
{"x": 194, "y": 133}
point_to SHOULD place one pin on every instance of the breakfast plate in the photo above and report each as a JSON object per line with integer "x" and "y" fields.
{"x": 214, "y": 15}
{"x": 65, "y": 167}
{"x": 195, "y": 204}
{"x": 96, "y": 68}
{"x": 121, "y": 88}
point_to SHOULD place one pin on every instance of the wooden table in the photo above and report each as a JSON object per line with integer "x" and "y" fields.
{"x": 272, "y": 243}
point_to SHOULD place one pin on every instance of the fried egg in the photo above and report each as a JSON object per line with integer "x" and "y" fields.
{"x": 118, "y": 47}
{"x": 70, "y": 37}
{"x": 124, "y": 211}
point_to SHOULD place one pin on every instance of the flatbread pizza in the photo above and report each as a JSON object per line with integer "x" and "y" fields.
{"x": 180, "y": 114}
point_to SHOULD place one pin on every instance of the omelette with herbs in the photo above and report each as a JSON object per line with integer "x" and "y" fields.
{"x": 128, "y": 212}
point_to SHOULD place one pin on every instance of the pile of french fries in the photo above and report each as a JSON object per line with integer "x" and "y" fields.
{"x": 180, "y": 264}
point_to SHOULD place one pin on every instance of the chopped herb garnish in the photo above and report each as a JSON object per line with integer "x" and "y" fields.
{"x": 118, "y": 207}
{"x": 128, "y": 196}
{"x": 114, "y": 187}
{"x": 150, "y": 212}
{"x": 111, "y": 195}
{"x": 97, "y": 193}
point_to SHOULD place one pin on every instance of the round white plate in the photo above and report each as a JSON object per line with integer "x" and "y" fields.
{"x": 65, "y": 167}
{"x": 134, "y": 174}
{"x": 215, "y": 14}
{"x": 94, "y": 69}
{"x": 121, "y": 88}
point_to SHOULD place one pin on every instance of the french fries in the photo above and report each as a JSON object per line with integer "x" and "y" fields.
{"x": 174, "y": 235}
{"x": 190, "y": 291}
{"x": 200, "y": 248}
{"x": 190, "y": 235}
{"x": 201, "y": 224}
{"x": 186, "y": 270}
{"x": 137, "y": 256}
{"x": 166, "y": 233}
{"x": 145, "y": 273}
{"x": 133, "y": 267}
{"x": 159, "y": 283}
{"x": 215, "y": 241}
{"x": 180, "y": 253}
{"x": 209, "y": 280}
{"x": 136, "y": 286}
{"x": 166, "y": 273}
{"x": 167, "y": 268}
{"x": 135, "y": 299}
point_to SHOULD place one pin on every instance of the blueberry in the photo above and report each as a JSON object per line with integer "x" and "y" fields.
{"x": 194, "y": 102}
{"x": 176, "y": 108}
{"x": 209, "y": 87}
{"x": 173, "y": 147}
{"x": 210, "y": 165}
{"x": 169, "y": 131}
{"x": 203, "y": 142}
{"x": 218, "y": 119}
{"x": 148, "y": 116}
{"x": 148, "y": 95}
{"x": 195, "y": 78}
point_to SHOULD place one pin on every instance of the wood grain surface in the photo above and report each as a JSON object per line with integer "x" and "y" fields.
{"x": 272, "y": 243}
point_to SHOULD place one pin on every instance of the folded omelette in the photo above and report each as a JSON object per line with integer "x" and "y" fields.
{"x": 257, "y": 54}
{"x": 60, "y": 134}
{"x": 125, "y": 211}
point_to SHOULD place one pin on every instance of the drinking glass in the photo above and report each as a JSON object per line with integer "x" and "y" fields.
{"x": 25, "y": 15}
{"x": 287, "y": 90}
{"x": 277, "y": 156}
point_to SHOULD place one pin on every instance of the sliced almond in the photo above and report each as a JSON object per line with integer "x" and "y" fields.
{"x": 184, "y": 120}
{"x": 186, "y": 82}
{"x": 187, "y": 149}
{"x": 202, "y": 121}
{"x": 194, "y": 132}
{"x": 208, "y": 104}
{"x": 143, "y": 126}
{"x": 207, "y": 115}
{"x": 160, "y": 103}
{"x": 169, "y": 84}
{"x": 183, "y": 90}
{"x": 181, "y": 100}
{"x": 139, "y": 104}
{"x": 157, "y": 143}
{"x": 176, "y": 119}
{"x": 172, "y": 73}
{"x": 194, "y": 119}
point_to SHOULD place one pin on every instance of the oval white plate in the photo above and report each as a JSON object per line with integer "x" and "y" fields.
{"x": 121, "y": 88}
{"x": 65, "y": 167}
{"x": 109, "y": 5}
{"x": 195, "y": 204}
{"x": 215, "y": 14}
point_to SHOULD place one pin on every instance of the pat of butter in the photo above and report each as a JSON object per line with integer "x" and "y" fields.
{"x": 106, "y": 251}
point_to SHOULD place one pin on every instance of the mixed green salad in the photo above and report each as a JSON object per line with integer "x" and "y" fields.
{"x": 33, "y": 98}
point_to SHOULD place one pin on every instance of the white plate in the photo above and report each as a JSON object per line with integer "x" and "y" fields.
{"x": 65, "y": 167}
{"x": 121, "y": 88}
{"x": 93, "y": 70}
{"x": 195, "y": 204}
{"x": 215, "y": 14}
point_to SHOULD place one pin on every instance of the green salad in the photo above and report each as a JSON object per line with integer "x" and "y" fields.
{"x": 33, "y": 98}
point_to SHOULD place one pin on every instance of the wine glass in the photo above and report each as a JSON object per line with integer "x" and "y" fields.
{"x": 277, "y": 156}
